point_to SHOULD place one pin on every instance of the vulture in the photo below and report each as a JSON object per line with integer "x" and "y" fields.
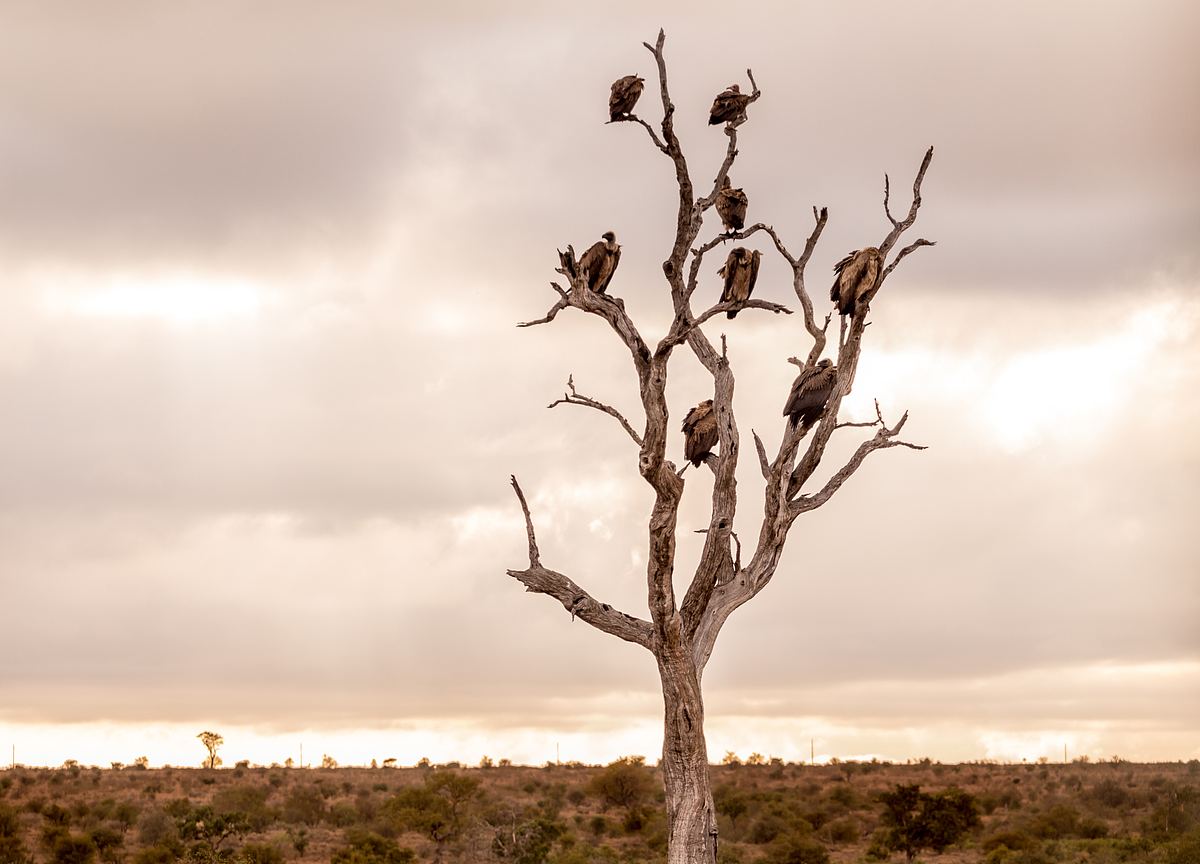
{"x": 731, "y": 206}
{"x": 700, "y": 433}
{"x": 809, "y": 393}
{"x": 600, "y": 261}
{"x": 625, "y": 94}
{"x": 729, "y": 106}
{"x": 740, "y": 272}
{"x": 855, "y": 282}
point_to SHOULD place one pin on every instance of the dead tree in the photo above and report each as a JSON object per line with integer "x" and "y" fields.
{"x": 680, "y": 636}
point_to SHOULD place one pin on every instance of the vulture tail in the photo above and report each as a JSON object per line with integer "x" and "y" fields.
{"x": 732, "y": 313}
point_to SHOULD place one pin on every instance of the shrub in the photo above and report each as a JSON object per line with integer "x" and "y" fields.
{"x": 914, "y": 820}
{"x": 304, "y": 804}
{"x": 12, "y": 850}
{"x": 248, "y": 802}
{"x": 156, "y": 827}
{"x": 69, "y": 849}
{"x": 625, "y": 783}
{"x": 797, "y": 849}
{"x": 260, "y": 853}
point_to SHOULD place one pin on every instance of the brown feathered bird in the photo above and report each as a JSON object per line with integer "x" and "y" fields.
{"x": 854, "y": 285}
{"x": 700, "y": 432}
{"x": 729, "y": 106}
{"x": 731, "y": 206}
{"x": 625, "y": 94}
{"x": 741, "y": 272}
{"x": 600, "y": 261}
{"x": 810, "y": 392}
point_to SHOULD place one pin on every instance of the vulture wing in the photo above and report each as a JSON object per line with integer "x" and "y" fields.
{"x": 810, "y": 392}
{"x": 589, "y": 261}
{"x": 625, "y": 94}
{"x": 608, "y": 266}
{"x": 729, "y": 271}
{"x": 700, "y": 429}
{"x": 838, "y": 292}
{"x": 864, "y": 287}
{"x": 731, "y": 207}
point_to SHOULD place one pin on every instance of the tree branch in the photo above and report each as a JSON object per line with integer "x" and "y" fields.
{"x": 883, "y": 439}
{"x": 911, "y": 247}
{"x": 633, "y": 118}
{"x": 898, "y": 228}
{"x": 763, "y": 464}
{"x": 574, "y": 398}
{"x": 579, "y": 603}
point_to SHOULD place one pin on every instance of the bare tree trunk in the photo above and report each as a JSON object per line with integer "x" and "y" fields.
{"x": 691, "y": 817}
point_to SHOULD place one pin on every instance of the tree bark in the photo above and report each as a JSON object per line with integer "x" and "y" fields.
{"x": 691, "y": 816}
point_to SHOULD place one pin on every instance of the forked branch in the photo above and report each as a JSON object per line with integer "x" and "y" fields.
{"x": 581, "y": 604}
{"x": 573, "y": 397}
{"x": 884, "y": 438}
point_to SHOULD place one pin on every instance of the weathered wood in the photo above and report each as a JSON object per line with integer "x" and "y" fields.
{"x": 682, "y": 637}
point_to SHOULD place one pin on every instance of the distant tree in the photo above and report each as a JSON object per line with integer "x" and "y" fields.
{"x": 211, "y": 741}
{"x": 914, "y": 820}
{"x": 141, "y": 763}
{"x": 328, "y": 761}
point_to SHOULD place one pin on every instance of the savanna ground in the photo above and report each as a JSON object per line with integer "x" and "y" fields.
{"x": 770, "y": 812}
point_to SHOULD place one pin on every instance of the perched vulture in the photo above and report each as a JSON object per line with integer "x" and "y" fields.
{"x": 729, "y": 106}
{"x": 625, "y": 94}
{"x": 855, "y": 282}
{"x": 731, "y": 206}
{"x": 600, "y": 261}
{"x": 700, "y": 433}
{"x": 810, "y": 392}
{"x": 740, "y": 272}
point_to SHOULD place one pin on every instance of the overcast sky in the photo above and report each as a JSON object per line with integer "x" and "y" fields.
{"x": 262, "y": 391}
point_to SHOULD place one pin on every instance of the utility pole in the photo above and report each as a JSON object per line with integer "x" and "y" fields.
{"x": 301, "y": 754}
{"x": 812, "y": 759}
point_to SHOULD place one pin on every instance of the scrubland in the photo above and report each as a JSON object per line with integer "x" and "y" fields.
{"x": 770, "y": 812}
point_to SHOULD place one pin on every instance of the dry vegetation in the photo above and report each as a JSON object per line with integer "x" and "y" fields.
{"x": 772, "y": 812}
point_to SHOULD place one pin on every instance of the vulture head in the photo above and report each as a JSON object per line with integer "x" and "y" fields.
{"x": 734, "y": 88}
{"x": 824, "y": 363}
{"x": 609, "y": 236}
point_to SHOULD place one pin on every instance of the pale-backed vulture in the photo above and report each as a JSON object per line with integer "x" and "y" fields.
{"x": 731, "y": 206}
{"x": 700, "y": 432}
{"x": 600, "y": 261}
{"x": 741, "y": 272}
{"x": 854, "y": 285}
{"x": 729, "y": 106}
{"x": 810, "y": 392}
{"x": 625, "y": 94}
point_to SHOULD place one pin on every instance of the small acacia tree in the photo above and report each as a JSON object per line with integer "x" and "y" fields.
{"x": 681, "y": 636}
{"x": 211, "y": 741}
